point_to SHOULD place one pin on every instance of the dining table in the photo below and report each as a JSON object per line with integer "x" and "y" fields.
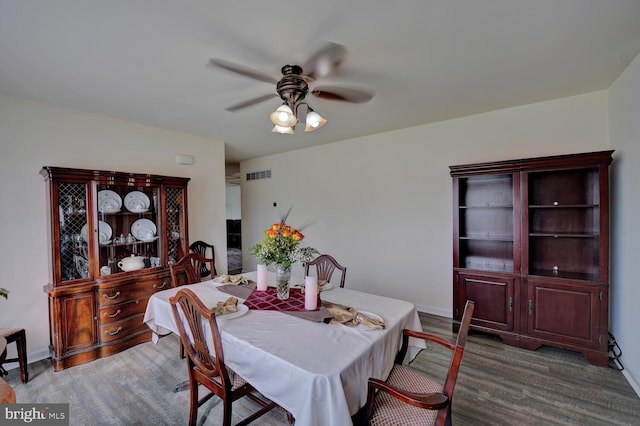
{"x": 316, "y": 370}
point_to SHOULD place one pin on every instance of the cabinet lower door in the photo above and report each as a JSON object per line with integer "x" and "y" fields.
{"x": 493, "y": 295}
{"x": 74, "y": 333}
{"x": 565, "y": 312}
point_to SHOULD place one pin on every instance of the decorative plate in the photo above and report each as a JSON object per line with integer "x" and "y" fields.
{"x": 104, "y": 232}
{"x": 137, "y": 202}
{"x": 109, "y": 201}
{"x": 143, "y": 229}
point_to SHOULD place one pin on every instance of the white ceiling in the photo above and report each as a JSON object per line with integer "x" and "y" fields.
{"x": 427, "y": 60}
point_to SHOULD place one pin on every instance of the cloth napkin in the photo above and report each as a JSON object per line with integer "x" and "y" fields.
{"x": 352, "y": 318}
{"x": 228, "y": 306}
{"x": 233, "y": 279}
{"x": 320, "y": 284}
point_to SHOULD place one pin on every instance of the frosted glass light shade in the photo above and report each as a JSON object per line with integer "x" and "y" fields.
{"x": 283, "y": 116}
{"x": 282, "y": 129}
{"x": 314, "y": 121}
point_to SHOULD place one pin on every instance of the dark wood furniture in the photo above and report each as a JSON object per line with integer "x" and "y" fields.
{"x": 187, "y": 270}
{"x": 531, "y": 248}
{"x": 205, "y": 369}
{"x": 325, "y": 267}
{"x": 423, "y": 400}
{"x": 95, "y": 220}
{"x": 201, "y": 248}
{"x": 19, "y": 336}
{"x": 7, "y": 394}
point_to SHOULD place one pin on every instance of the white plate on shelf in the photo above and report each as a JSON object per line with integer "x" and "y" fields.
{"x": 242, "y": 309}
{"x": 109, "y": 201}
{"x": 143, "y": 229}
{"x": 148, "y": 240}
{"x": 370, "y": 315}
{"x": 104, "y": 232}
{"x": 136, "y": 202}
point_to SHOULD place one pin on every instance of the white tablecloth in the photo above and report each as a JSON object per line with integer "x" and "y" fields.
{"x": 316, "y": 371}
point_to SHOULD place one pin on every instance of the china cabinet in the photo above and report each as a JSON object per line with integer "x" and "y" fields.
{"x": 531, "y": 248}
{"x": 112, "y": 237}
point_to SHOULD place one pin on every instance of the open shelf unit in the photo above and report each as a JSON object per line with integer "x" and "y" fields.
{"x": 531, "y": 248}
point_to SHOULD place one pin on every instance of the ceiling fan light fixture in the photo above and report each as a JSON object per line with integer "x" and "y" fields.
{"x": 282, "y": 129}
{"x": 283, "y": 116}
{"x": 314, "y": 121}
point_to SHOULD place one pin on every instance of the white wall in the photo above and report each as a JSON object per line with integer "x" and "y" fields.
{"x": 624, "y": 117}
{"x": 33, "y": 135}
{"x": 234, "y": 207}
{"x": 383, "y": 203}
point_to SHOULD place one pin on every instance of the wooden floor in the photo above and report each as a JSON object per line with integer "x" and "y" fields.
{"x": 498, "y": 385}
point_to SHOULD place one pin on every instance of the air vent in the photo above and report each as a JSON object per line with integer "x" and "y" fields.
{"x": 264, "y": 174}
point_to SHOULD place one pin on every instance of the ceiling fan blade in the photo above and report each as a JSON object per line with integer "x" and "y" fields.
{"x": 324, "y": 61}
{"x": 251, "y": 102}
{"x": 241, "y": 69}
{"x": 344, "y": 94}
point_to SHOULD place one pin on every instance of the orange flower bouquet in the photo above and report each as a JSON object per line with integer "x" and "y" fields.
{"x": 282, "y": 245}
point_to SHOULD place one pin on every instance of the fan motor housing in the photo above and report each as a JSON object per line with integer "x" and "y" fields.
{"x": 292, "y": 87}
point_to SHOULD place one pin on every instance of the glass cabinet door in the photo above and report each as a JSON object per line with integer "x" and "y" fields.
{"x": 73, "y": 239}
{"x": 128, "y": 234}
{"x": 176, "y": 223}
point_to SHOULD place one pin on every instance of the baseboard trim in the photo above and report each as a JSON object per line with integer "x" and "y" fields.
{"x": 632, "y": 379}
{"x": 31, "y": 357}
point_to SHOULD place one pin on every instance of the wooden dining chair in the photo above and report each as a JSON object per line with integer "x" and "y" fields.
{"x": 188, "y": 269}
{"x": 325, "y": 266}
{"x": 201, "y": 248}
{"x": 19, "y": 336}
{"x": 205, "y": 364}
{"x": 408, "y": 396}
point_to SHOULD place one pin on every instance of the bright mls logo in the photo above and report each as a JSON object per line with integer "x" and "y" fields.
{"x": 36, "y": 414}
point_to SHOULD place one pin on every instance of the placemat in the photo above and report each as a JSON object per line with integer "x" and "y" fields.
{"x": 238, "y": 290}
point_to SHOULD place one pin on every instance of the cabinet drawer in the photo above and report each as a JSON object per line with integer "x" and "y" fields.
{"x": 120, "y": 312}
{"x": 123, "y": 329}
{"x": 129, "y": 292}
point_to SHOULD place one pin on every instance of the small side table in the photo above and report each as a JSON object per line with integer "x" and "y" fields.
{"x": 7, "y": 394}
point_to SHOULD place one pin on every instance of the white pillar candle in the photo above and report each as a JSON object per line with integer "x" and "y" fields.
{"x": 310, "y": 293}
{"x": 262, "y": 277}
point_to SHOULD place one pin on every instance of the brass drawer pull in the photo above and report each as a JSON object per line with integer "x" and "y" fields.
{"x": 164, "y": 284}
{"x": 112, "y": 316}
{"x": 113, "y": 333}
{"x": 111, "y": 297}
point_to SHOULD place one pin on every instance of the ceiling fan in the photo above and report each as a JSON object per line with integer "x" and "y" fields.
{"x": 294, "y": 86}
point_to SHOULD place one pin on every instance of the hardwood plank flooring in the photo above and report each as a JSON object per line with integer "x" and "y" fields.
{"x": 497, "y": 385}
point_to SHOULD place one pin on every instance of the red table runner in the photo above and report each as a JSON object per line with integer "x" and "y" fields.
{"x": 268, "y": 301}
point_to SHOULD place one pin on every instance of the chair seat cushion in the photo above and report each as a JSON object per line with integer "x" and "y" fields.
{"x": 236, "y": 380}
{"x": 390, "y": 411}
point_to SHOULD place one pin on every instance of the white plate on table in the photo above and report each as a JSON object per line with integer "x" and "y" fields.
{"x": 370, "y": 315}
{"x": 109, "y": 201}
{"x": 143, "y": 229}
{"x": 137, "y": 202}
{"x": 104, "y": 232}
{"x": 242, "y": 309}
{"x": 327, "y": 286}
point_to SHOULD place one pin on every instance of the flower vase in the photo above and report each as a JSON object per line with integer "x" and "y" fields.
{"x": 283, "y": 276}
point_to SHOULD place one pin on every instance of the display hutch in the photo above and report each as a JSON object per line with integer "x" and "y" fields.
{"x": 531, "y": 248}
{"x": 112, "y": 236}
